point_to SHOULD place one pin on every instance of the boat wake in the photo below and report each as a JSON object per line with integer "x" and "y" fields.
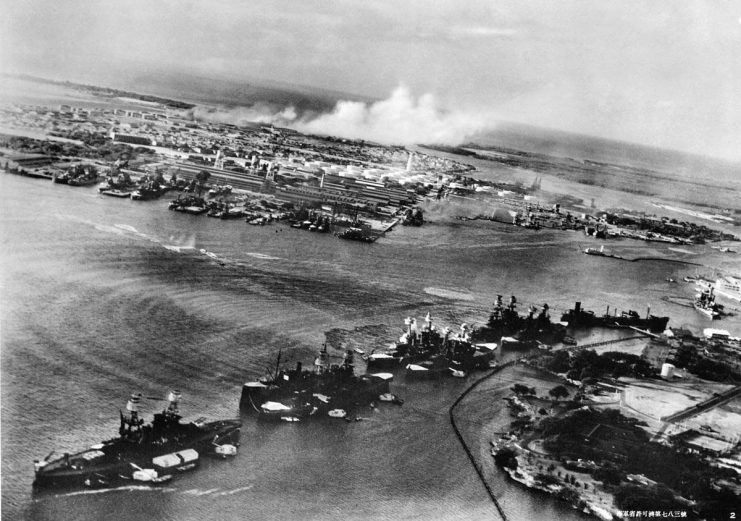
{"x": 172, "y": 243}
{"x": 128, "y": 488}
{"x": 214, "y": 492}
{"x": 177, "y": 249}
{"x": 680, "y": 250}
{"x": 448, "y": 293}
{"x": 262, "y": 256}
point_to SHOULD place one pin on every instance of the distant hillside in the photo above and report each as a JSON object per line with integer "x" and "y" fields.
{"x": 231, "y": 92}
{"x": 581, "y": 147}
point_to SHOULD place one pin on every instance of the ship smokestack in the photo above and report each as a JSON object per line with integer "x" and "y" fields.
{"x": 577, "y": 307}
{"x": 648, "y": 312}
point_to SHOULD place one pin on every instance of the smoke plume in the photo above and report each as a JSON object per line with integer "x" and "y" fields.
{"x": 401, "y": 119}
{"x": 454, "y": 208}
{"x": 241, "y": 116}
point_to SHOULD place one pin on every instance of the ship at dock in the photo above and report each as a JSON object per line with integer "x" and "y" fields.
{"x": 581, "y": 318}
{"x": 706, "y": 305}
{"x": 325, "y": 390}
{"x": 150, "y": 452}
{"x": 432, "y": 352}
{"x": 506, "y": 325}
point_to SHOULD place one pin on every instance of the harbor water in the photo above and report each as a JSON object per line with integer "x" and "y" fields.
{"x": 102, "y": 297}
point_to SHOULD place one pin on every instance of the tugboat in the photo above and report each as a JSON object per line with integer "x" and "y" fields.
{"x": 297, "y": 394}
{"x": 142, "y": 452}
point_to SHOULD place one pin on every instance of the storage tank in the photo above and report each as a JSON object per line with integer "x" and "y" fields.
{"x": 667, "y": 371}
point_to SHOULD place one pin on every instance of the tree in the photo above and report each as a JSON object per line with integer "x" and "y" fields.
{"x": 523, "y": 389}
{"x": 608, "y": 475}
{"x": 559, "y": 392}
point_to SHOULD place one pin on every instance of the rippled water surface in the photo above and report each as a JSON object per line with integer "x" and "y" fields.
{"x": 102, "y": 297}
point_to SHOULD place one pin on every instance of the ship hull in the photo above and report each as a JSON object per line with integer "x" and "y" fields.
{"x": 117, "y": 459}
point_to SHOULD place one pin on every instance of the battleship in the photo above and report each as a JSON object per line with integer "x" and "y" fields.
{"x": 431, "y": 352}
{"x": 326, "y": 390}
{"x": 581, "y": 318}
{"x": 506, "y": 324}
{"x": 705, "y": 303}
{"x": 142, "y": 452}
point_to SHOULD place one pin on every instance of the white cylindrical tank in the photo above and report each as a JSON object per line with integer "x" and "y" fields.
{"x": 667, "y": 371}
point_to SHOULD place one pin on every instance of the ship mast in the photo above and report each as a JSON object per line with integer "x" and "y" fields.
{"x": 172, "y": 410}
{"x": 131, "y": 423}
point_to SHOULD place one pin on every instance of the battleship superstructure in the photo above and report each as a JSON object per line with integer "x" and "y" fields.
{"x": 298, "y": 393}
{"x": 142, "y": 452}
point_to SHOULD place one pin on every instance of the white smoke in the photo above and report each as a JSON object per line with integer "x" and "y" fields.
{"x": 454, "y": 208}
{"x": 400, "y": 119}
{"x": 241, "y": 116}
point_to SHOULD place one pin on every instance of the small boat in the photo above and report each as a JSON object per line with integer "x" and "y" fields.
{"x": 116, "y": 192}
{"x": 225, "y": 450}
{"x": 390, "y": 398}
{"x": 337, "y": 413}
{"x": 382, "y": 361}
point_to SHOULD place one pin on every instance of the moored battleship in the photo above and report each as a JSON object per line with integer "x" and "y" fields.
{"x": 295, "y": 394}
{"x": 431, "y": 352}
{"x": 705, "y": 303}
{"x": 142, "y": 452}
{"x": 528, "y": 330}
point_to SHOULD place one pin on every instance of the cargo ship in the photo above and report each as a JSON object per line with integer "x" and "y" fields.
{"x": 581, "y": 318}
{"x": 601, "y": 253}
{"x": 293, "y": 395}
{"x": 142, "y": 452}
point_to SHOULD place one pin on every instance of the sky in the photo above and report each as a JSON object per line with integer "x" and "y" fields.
{"x": 657, "y": 72}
